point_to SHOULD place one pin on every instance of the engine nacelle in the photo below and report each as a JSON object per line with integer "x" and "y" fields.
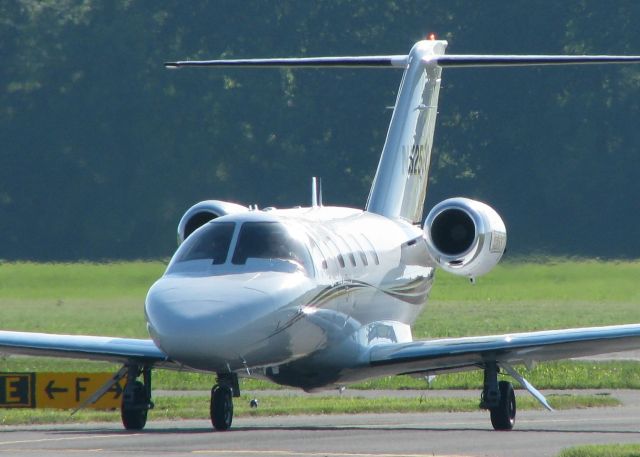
{"x": 465, "y": 237}
{"x": 203, "y": 212}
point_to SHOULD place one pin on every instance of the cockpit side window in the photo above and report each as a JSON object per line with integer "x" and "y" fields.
{"x": 336, "y": 250}
{"x": 317, "y": 252}
{"x": 270, "y": 240}
{"x": 211, "y": 242}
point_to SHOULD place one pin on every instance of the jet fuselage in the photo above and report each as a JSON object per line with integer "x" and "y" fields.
{"x": 295, "y": 295}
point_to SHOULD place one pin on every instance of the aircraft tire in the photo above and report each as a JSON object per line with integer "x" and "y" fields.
{"x": 221, "y": 408}
{"x": 503, "y": 417}
{"x": 133, "y": 410}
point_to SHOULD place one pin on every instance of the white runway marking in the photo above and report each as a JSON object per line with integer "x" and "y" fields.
{"x": 309, "y": 454}
{"x": 66, "y": 438}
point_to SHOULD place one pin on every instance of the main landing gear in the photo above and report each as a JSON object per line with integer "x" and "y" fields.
{"x": 222, "y": 395}
{"x": 498, "y": 398}
{"x": 136, "y": 398}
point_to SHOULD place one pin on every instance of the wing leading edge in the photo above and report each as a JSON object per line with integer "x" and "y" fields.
{"x": 453, "y": 354}
{"x": 108, "y": 349}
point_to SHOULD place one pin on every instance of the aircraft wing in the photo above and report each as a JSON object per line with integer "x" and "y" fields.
{"x": 455, "y": 354}
{"x": 109, "y": 349}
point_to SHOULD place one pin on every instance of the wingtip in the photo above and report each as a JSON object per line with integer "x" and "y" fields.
{"x": 172, "y": 65}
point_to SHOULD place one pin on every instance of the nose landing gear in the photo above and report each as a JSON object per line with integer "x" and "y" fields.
{"x": 222, "y": 394}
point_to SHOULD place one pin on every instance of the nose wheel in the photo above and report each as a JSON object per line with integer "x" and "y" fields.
{"x": 222, "y": 401}
{"x": 221, "y": 408}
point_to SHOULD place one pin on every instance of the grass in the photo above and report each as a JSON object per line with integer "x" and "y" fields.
{"x": 531, "y": 296}
{"x": 66, "y": 281}
{"x": 515, "y": 297}
{"x": 551, "y": 375}
{"x": 107, "y": 299}
{"x": 196, "y": 407}
{"x": 609, "y": 450}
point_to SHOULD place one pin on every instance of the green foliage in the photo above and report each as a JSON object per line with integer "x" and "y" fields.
{"x": 103, "y": 149}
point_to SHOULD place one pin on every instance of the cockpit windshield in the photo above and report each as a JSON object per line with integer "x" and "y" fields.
{"x": 271, "y": 241}
{"x": 211, "y": 243}
{"x": 268, "y": 246}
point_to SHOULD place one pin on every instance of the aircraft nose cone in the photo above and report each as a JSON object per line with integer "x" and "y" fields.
{"x": 202, "y": 322}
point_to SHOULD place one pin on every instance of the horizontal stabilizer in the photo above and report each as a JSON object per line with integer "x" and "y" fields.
{"x": 515, "y": 60}
{"x": 340, "y": 62}
{"x": 400, "y": 61}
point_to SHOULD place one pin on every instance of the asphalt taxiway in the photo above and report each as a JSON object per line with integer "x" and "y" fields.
{"x": 537, "y": 433}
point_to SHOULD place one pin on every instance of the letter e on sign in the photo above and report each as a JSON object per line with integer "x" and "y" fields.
{"x": 17, "y": 390}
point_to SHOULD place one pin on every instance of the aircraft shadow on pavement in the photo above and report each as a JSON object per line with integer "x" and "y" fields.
{"x": 326, "y": 428}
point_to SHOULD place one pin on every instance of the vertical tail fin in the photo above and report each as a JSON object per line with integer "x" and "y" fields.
{"x": 400, "y": 185}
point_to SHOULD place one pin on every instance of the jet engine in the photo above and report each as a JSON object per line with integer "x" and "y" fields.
{"x": 465, "y": 237}
{"x": 203, "y": 212}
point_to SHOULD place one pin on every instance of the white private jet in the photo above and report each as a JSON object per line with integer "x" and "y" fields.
{"x": 317, "y": 297}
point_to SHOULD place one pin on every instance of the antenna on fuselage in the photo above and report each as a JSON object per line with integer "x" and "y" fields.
{"x": 316, "y": 192}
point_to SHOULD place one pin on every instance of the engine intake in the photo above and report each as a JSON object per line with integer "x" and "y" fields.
{"x": 203, "y": 212}
{"x": 465, "y": 237}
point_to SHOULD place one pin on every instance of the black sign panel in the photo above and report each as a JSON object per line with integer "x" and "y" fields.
{"x": 17, "y": 390}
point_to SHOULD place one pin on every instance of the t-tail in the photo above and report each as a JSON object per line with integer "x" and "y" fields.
{"x": 400, "y": 185}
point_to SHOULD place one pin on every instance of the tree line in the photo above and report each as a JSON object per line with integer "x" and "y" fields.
{"x": 102, "y": 149}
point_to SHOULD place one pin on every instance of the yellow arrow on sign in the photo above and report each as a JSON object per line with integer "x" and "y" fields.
{"x": 51, "y": 390}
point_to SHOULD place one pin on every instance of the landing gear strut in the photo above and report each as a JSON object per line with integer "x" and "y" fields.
{"x": 222, "y": 395}
{"x": 498, "y": 398}
{"x": 136, "y": 398}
